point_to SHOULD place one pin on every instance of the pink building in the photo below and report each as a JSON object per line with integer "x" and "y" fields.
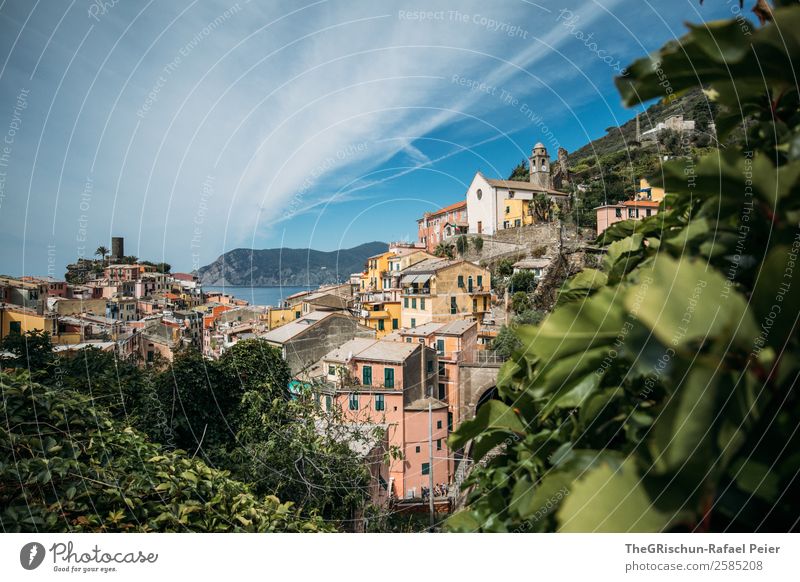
{"x": 449, "y": 221}
{"x": 451, "y": 341}
{"x": 389, "y": 383}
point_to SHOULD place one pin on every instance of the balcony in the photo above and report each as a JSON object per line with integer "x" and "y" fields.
{"x": 478, "y": 290}
{"x": 409, "y": 291}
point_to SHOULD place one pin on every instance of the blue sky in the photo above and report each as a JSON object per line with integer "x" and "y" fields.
{"x": 196, "y": 127}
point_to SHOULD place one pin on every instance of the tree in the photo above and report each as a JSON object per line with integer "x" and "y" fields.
{"x": 291, "y": 449}
{"x": 658, "y": 395}
{"x": 129, "y": 260}
{"x": 444, "y": 250}
{"x": 524, "y": 281}
{"x": 66, "y": 466}
{"x": 505, "y": 268}
{"x": 462, "y": 244}
{"x": 102, "y": 252}
{"x": 199, "y": 401}
{"x": 253, "y": 364}
{"x": 520, "y": 302}
{"x": 32, "y": 350}
{"x": 520, "y": 173}
{"x": 477, "y": 244}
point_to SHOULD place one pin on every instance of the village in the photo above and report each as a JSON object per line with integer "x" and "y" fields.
{"x": 407, "y": 345}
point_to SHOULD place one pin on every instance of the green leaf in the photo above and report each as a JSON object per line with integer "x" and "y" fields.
{"x": 492, "y": 415}
{"x": 610, "y": 500}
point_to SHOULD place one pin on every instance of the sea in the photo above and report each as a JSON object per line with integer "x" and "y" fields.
{"x": 271, "y": 296}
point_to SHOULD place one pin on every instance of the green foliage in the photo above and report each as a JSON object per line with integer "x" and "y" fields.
{"x": 659, "y": 394}
{"x": 524, "y": 281}
{"x": 67, "y": 466}
{"x": 520, "y": 302}
{"x": 32, "y": 350}
{"x": 505, "y": 268}
{"x": 520, "y": 173}
{"x": 462, "y": 244}
{"x": 292, "y": 450}
{"x": 444, "y": 250}
{"x": 477, "y": 244}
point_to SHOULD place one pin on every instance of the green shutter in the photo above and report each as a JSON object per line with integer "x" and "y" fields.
{"x": 366, "y": 375}
{"x": 388, "y": 377}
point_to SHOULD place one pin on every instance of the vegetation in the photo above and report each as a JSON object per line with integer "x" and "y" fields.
{"x": 520, "y": 302}
{"x": 144, "y": 439}
{"x": 477, "y": 244}
{"x": 67, "y": 466}
{"x": 462, "y": 244}
{"x": 659, "y": 394}
{"x": 444, "y": 250}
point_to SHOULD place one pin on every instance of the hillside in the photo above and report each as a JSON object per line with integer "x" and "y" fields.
{"x": 692, "y": 105}
{"x": 273, "y": 267}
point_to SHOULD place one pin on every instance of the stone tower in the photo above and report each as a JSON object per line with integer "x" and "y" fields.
{"x": 540, "y": 167}
{"x": 117, "y": 248}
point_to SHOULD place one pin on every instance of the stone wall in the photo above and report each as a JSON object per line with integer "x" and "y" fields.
{"x": 332, "y": 332}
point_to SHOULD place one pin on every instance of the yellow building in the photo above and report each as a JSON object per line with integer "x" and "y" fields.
{"x": 517, "y": 212}
{"x": 375, "y": 278}
{"x": 14, "y": 319}
{"x": 277, "y": 316}
{"x": 648, "y": 192}
{"x": 382, "y": 316}
{"x": 441, "y": 290}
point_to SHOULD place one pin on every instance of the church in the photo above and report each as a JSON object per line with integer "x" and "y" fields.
{"x": 494, "y": 205}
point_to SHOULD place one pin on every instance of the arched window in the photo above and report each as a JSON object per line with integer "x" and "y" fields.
{"x": 480, "y": 193}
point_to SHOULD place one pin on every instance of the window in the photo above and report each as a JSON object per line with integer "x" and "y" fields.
{"x": 461, "y": 281}
{"x": 413, "y": 323}
{"x": 453, "y": 306}
{"x": 480, "y": 281}
{"x": 366, "y": 375}
{"x": 426, "y": 469}
{"x": 15, "y": 327}
{"x": 450, "y": 421}
{"x": 414, "y": 303}
{"x": 405, "y": 302}
{"x": 480, "y": 195}
{"x": 442, "y": 392}
{"x": 508, "y": 210}
{"x": 441, "y": 369}
{"x": 417, "y": 449}
{"x": 395, "y": 323}
{"x": 648, "y": 212}
{"x": 328, "y": 403}
{"x": 630, "y": 212}
{"x": 354, "y": 402}
{"x": 422, "y": 303}
{"x": 510, "y": 193}
{"x": 381, "y": 325}
{"x": 480, "y": 227}
{"x": 331, "y": 370}
{"x": 376, "y": 307}
{"x": 618, "y": 213}
{"x": 438, "y": 444}
{"x": 484, "y": 304}
{"x": 474, "y": 305}
{"x": 517, "y": 222}
{"x": 388, "y": 378}
{"x": 408, "y": 340}
{"x": 440, "y": 347}
{"x": 149, "y": 356}
{"x": 379, "y": 403}
{"x": 438, "y": 424}
{"x": 429, "y": 366}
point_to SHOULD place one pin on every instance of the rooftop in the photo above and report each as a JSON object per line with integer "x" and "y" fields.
{"x": 288, "y": 331}
{"x": 422, "y": 404}
{"x": 457, "y": 327}
{"x": 373, "y": 350}
{"x": 462, "y": 205}
{"x": 525, "y": 186}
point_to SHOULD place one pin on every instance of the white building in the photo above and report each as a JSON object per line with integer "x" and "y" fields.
{"x": 486, "y": 201}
